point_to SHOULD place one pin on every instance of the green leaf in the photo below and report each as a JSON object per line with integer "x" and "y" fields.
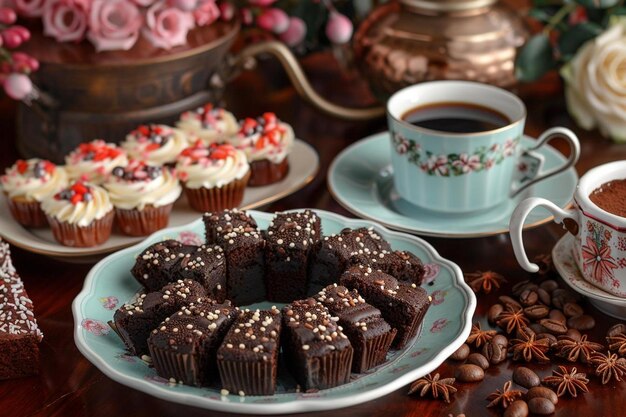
{"x": 598, "y": 4}
{"x": 575, "y": 37}
{"x": 534, "y": 59}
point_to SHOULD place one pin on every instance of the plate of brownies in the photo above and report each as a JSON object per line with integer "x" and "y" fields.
{"x": 262, "y": 313}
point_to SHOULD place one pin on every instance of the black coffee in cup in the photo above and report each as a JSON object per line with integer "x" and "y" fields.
{"x": 456, "y": 117}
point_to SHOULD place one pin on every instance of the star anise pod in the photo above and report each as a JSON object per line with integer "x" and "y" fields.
{"x": 512, "y": 319}
{"x": 609, "y": 366}
{"x": 573, "y": 350}
{"x": 570, "y": 382}
{"x": 505, "y": 397}
{"x": 437, "y": 387}
{"x": 484, "y": 281}
{"x": 529, "y": 348}
{"x": 479, "y": 337}
{"x": 617, "y": 343}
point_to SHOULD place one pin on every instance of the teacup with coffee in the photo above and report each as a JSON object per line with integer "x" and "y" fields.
{"x": 456, "y": 146}
{"x": 598, "y": 222}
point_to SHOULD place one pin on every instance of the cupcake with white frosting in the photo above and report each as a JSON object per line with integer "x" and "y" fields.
{"x": 80, "y": 215}
{"x": 155, "y": 144}
{"x": 93, "y": 161}
{"x": 208, "y": 123}
{"x": 267, "y": 142}
{"x": 143, "y": 196}
{"x": 213, "y": 176}
{"x": 26, "y": 184}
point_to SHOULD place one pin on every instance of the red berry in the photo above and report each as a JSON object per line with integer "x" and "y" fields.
{"x": 7, "y": 16}
{"x": 22, "y": 166}
{"x": 49, "y": 167}
{"x": 76, "y": 198}
{"x": 79, "y": 188}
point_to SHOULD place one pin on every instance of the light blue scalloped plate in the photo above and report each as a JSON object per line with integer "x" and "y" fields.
{"x": 109, "y": 283}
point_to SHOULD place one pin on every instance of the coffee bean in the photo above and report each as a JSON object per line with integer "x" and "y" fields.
{"x": 544, "y": 296}
{"x": 537, "y": 328}
{"x": 536, "y": 312}
{"x": 574, "y": 334}
{"x": 518, "y": 288}
{"x": 550, "y": 337}
{"x": 478, "y": 359}
{"x": 616, "y": 330}
{"x": 524, "y": 331}
{"x": 542, "y": 392}
{"x": 494, "y": 312}
{"x": 572, "y": 310}
{"x": 461, "y": 353}
{"x": 553, "y": 326}
{"x": 584, "y": 322}
{"x": 562, "y": 296}
{"x": 549, "y": 285}
{"x": 517, "y": 408}
{"x": 525, "y": 377}
{"x": 557, "y": 315}
{"x": 496, "y": 349}
{"x": 469, "y": 373}
{"x": 528, "y": 298}
{"x": 508, "y": 301}
{"x": 541, "y": 406}
{"x": 500, "y": 340}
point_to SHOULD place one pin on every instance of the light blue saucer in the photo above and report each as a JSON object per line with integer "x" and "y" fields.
{"x": 361, "y": 180}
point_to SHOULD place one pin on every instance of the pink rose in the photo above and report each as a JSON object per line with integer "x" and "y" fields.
{"x": 66, "y": 20}
{"x": 273, "y": 20}
{"x": 30, "y": 8}
{"x": 167, "y": 27}
{"x": 261, "y": 3}
{"x": 144, "y": 3}
{"x": 206, "y": 13}
{"x": 295, "y": 33}
{"x": 339, "y": 28}
{"x": 114, "y": 24}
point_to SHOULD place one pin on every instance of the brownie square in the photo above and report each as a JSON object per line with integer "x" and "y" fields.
{"x": 134, "y": 321}
{"x": 332, "y": 255}
{"x": 402, "y": 305}
{"x": 244, "y": 250}
{"x": 184, "y": 346}
{"x": 369, "y": 334}
{"x": 158, "y": 265}
{"x": 317, "y": 352}
{"x": 402, "y": 265}
{"x": 19, "y": 333}
{"x": 248, "y": 357}
{"x": 220, "y": 223}
{"x": 206, "y": 265}
{"x": 289, "y": 240}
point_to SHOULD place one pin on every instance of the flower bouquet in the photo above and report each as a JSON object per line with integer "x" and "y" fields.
{"x": 586, "y": 39}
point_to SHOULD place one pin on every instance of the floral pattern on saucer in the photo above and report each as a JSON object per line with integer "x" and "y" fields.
{"x": 452, "y": 165}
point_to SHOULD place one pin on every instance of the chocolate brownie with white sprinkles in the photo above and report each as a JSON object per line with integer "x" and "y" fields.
{"x": 157, "y": 265}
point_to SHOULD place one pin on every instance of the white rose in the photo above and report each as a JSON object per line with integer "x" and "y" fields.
{"x": 595, "y": 83}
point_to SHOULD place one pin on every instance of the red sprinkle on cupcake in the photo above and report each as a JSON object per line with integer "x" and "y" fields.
{"x": 97, "y": 150}
{"x": 156, "y": 135}
{"x": 75, "y": 193}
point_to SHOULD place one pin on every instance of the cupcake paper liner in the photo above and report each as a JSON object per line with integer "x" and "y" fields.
{"x": 143, "y": 222}
{"x": 27, "y": 213}
{"x": 217, "y": 199}
{"x": 185, "y": 367}
{"x": 374, "y": 352}
{"x": 265, "y": 172}
{"x": 253, "y": 378}
{"x": 331, "y": 370}
{"x": 69, "y": 234}
{"x": 404, "y": 337}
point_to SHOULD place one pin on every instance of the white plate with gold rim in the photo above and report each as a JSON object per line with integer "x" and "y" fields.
{"x": 303, "y": 166}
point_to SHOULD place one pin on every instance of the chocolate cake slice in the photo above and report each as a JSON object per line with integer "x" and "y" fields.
{"x": 245, "y": 260}
{"x": 369, "y": 334}
{"x": 332, "y": 254}
{"x": 157, "y": 265}
{"x": 19, "y": 333}
{"x": 183, "y": 347}
{"x": 316, "y": 350}
{"x": 289, "y": 239}
{"x": 207, "y": 265}
{"x": 220, "y": 223}
{"x": 402, "y": 265}
{"x": 402, "y": 305}
{"x": 135, "y": 321}
{"x": 248, "y": 357}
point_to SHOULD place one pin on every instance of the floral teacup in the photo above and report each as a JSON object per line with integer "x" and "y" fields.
{"x": 600, "y": 249}
{"x": 465, "y": 172}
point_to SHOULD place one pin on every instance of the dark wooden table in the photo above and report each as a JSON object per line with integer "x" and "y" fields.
{"x": 69, "y": 385}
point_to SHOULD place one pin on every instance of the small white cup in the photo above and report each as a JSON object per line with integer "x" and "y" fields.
{"x": 600, "y": 249}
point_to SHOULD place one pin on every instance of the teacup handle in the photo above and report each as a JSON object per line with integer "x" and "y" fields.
{"x": 547, "y": 136}
{"x": 568, "y": 218}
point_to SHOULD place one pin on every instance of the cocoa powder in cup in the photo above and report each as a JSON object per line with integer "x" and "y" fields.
{"x": 611, "y": 197}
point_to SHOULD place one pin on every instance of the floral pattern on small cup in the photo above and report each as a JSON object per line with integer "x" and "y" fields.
{"x": 597, "y": 257}
{"x": 109, "y": 302}
{"x": 430, "y": 272}
{"x": 95, "y": 327}
{"x": 452, "y": 165}
{"x": 190, "y": 238}
{"x": 439, "y": 325}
